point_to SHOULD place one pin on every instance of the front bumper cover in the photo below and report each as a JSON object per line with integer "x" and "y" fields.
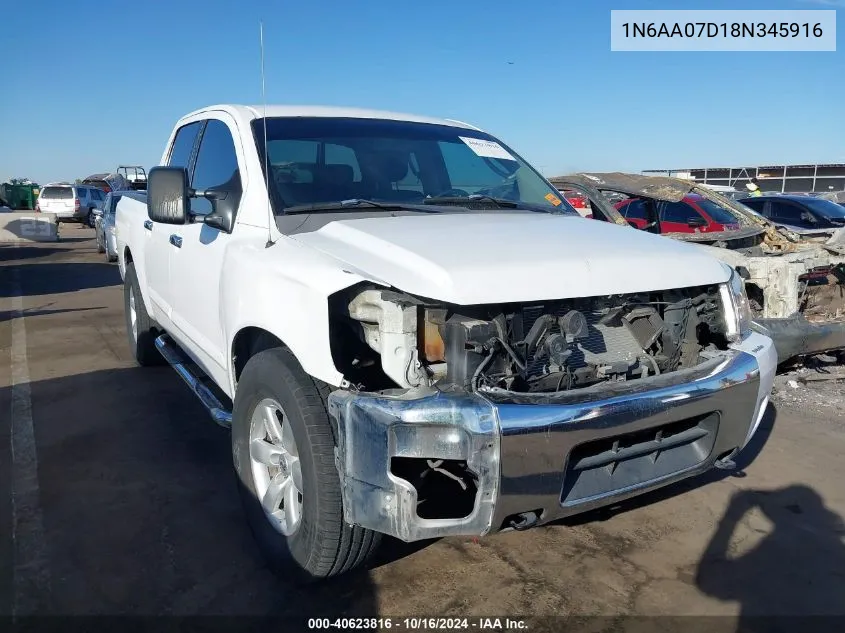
{"x": 553, "y": 455}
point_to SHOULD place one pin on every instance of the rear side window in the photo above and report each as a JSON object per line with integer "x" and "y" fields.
{"x": 57, "y": 193}
{"x": 786, "y": 212}
{"x": 754, "y": 203}
{"x": 183, "y": 145}
{"x": 634, "y": 209}
{"x": 217, "y": 163}
{"x": 677, "y": 212}
{"x": 719, "y": 214}
{"x": 80, "y": 193}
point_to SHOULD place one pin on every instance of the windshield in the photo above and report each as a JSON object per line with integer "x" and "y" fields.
{"x": 826, "y": 208}
{"x": 317, "y": 160}
{"x": 716, "y": 212}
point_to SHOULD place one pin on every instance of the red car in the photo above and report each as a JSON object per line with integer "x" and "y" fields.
{"x": 578, "y": 202}
{"x": 694, "y": 214}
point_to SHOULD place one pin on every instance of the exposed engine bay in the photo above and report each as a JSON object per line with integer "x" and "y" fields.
{"x": 389, "y": 339}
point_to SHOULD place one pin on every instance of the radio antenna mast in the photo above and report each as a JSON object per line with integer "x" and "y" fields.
{"x": 264, "y": 126}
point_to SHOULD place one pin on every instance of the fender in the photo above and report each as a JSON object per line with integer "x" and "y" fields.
{"x": 284, "y": 288}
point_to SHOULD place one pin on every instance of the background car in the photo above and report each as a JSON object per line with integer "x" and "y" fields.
{"x": 105, "y": 227}
{"x": 71, "y": 203}
{"x": 692, "y": 214}
{"x": 799, "y": 213}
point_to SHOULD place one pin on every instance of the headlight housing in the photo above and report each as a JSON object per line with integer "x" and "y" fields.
{"x": 738, "y": 314}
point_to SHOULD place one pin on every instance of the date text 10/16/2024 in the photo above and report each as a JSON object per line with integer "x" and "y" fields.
{"x": 419, "y": 624}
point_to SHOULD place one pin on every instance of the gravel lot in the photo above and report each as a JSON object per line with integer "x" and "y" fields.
{"x": 131, "y": 506}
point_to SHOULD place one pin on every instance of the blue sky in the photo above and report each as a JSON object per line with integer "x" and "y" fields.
{"x": 89, "y": 98}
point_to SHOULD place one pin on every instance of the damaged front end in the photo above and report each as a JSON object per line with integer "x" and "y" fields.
{"x": 474, "y": 419}
{"x": 794, "y": 281}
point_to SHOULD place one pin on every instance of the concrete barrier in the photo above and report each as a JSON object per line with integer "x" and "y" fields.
{"x": 28, "y": 227}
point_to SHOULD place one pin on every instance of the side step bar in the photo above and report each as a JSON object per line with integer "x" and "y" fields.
{"x": 173, "y": 355}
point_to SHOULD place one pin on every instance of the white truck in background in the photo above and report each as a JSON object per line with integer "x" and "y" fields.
{"x": 410, "y": 333}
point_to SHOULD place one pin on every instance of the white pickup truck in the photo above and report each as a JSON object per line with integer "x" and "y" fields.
{"x": 410, "y": 333}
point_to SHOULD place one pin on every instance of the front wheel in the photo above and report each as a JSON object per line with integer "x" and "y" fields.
{"x": 283, "y": 450}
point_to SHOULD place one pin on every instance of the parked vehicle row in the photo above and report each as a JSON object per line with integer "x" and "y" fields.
{"x": 104, "y": 226}
{"x": 71, "y": 202}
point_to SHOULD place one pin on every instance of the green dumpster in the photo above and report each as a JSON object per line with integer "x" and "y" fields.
{"x": 20, "y": 196}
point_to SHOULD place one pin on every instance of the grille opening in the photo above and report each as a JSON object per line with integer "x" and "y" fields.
{"x": 446, "y": 489}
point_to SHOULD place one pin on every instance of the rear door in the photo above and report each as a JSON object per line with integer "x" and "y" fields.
{"x": 157, "y": 250}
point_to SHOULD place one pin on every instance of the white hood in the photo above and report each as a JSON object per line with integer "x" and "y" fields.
{"x": 472, "y": 258}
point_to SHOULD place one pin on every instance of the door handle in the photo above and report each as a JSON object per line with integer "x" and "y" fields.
{"x": 148, "y": 224}
{"x": 176, "y": 241}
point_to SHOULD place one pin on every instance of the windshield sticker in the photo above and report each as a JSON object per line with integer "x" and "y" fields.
{"x": 486, "y": 149}
{"x": 553, "y": 199}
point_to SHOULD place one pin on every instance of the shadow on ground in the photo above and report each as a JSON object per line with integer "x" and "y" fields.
{"x": 790, "y": 561}
{"x": 141, "y": 509}
{"x": 13, "y": 252}
{"x": 56, "y": 278}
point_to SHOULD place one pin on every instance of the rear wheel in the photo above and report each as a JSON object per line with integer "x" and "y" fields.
{"x": 283, "y": 449}
{"x": 90, "y": 219}
{"x": 140, "y": 330}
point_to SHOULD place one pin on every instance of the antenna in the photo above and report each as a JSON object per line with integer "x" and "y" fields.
{"x": 266, "y": 158}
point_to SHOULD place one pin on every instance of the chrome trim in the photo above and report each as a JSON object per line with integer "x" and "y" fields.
{"x": 148, "y": 224}
{"x": 173, "y": 355}
{"x": 519, "y": 445}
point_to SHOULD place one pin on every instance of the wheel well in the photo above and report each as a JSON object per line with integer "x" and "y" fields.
{"x": 127, "y": 255}
{"x": 247, "y": 343}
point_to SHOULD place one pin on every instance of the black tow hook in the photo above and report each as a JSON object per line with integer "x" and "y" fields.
{"x": 523, "y": 521}
{"x": 726, "y": 462}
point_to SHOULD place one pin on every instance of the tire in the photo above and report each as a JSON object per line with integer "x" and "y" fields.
{"x": 100, "y": 247}
{"x": 322, "y": 544}
{"x": 90, "y": 219}
{"x": 110, "y": 258}
{"x": 142, "y": 337}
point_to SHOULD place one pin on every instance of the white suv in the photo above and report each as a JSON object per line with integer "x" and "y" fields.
{"x": 71, "y": 203}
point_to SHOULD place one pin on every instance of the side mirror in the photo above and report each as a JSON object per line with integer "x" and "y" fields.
{"x": 96, "y": 211}
{"x": 168, "y": 195}
{"x": 225, "y": 200}
{"x": 696, "y": 222}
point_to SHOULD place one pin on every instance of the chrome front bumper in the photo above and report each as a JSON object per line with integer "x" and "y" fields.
{"x": 549, "y": 456}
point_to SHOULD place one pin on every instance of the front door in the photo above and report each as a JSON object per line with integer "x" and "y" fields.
{"x": 157, "y": 249}
{"x": 197, "y": 257}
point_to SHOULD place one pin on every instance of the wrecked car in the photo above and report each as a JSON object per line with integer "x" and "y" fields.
{"x": 410, "y": 333}
{"x": 794, "y": 281}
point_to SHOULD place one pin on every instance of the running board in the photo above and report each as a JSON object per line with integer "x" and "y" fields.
{"x": 174, "y": 356}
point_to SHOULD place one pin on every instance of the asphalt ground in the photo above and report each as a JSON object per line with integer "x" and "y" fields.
{"x": 117, "y": 496}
